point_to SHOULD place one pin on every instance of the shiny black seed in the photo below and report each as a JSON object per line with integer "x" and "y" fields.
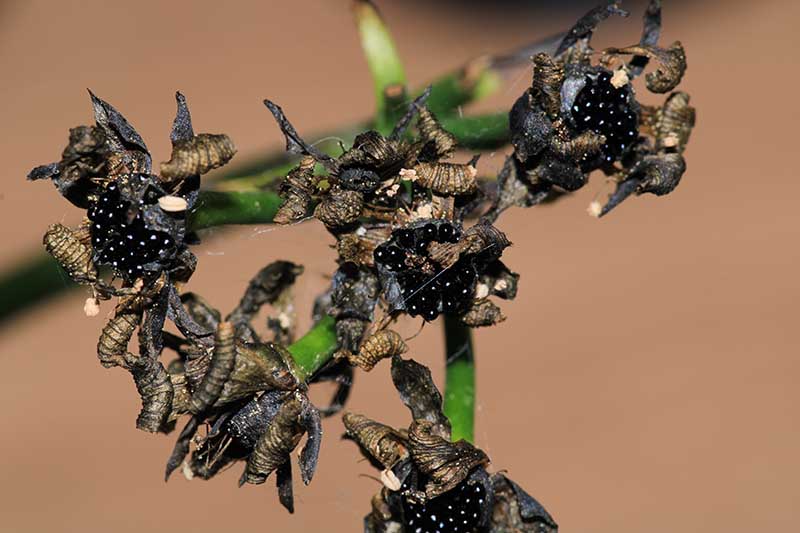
{"x": 349, "y": 269}
{"x": 447, "y": 233}
{"x": 430, "y": 314}
{"x": 422, "y": 246}
{"x": 429, "y": 232}
{"x": 405, "y": 238}
{"x": 381, "y": 254}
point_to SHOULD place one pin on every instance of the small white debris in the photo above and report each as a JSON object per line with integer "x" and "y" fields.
{"x": 670, "y": 141}
{"x": 500, "y": 286}
{"x": 620, "y": 78}
{"x": 172, "y": 204}
{"x": 393, "y": 190}
{"x": 91, "y": 307}
{"x": 186, "y": 470}
{"x": 595, "y": 209}
{"x": 481, "y": 290}
{"x": 285, "y": 320}
{"x": 425, "y": 211}
{"x": 408, "y": 174}
{"x": 390, "y": 480}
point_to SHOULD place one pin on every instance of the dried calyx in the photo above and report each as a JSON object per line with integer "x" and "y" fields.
{"x": 430, "y": 483}
{"x": 579, "y": 116}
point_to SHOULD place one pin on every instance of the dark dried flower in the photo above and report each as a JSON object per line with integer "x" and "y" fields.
{"x": 579, "y": 116}
{"x": 430, "y": 483}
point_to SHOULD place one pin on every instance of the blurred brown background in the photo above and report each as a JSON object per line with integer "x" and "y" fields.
{"x": 646, "y": 379}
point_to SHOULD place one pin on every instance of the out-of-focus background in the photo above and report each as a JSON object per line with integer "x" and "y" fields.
{"x": 646, "y": 378}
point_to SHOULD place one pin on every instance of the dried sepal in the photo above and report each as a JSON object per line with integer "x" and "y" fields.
{"x": 673, "y": 123}
{"x": 258, "y": 367}
{"x": 438, "y": 142}
{"x": 155, "y": 389}
{"x": 283, "y": 482}
{"x": 73, "y": 255}
{"x": 582, "y": 146}
{"x": 445, "y": 463}
{"x": 296, "y": 190}
{"x": 415, "y": 385}
{"x": 383, "y": 443}
{"x": 575, "y": 44}
{"x": 483, "y": 312}
{"x": 485, "y": 238}
{"x": 547, "y": 79}
{"x": 219, "y": 369}
{"x": 378, "y": 346}
{"x": 447, "y": 178}
{"x": 515, "y": 511}
{"x": 199, "y": 155}
{"x": 116, "y": 334}
{"x": 671, "y": 64}
{"x": 340, "y": 208}
{"x": 181, "y": 448}
{"x": 274, "y": 446}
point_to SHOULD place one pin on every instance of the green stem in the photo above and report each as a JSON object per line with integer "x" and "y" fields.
{"x": 479, "y": 132}
{"x": 459, "y": 390}
{"x": 35, "y": 280}
{"x": 388, "y": 75}
{"x": 216, "y": 208}
{"x": 315, "y": 348}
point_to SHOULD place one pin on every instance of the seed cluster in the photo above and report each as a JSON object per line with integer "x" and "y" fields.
{"x": 455, "y": 511}
{"x": 606, "y": 110}
{"x": 428, "y": 289}
{"x": 127, "y": 245}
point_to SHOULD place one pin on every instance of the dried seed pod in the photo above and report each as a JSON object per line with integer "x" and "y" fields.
{"x": 75, "y": 257}
{"x": 296, "y": 190}
{"x": 516, "y": 510}
{"x": 484, "y": 237}
{"x": 483, "y": 312}
{"x": 448, "y": 178}
{"x": 380, "y": 441}
{"x": 155, "y": 389}
{"x": 446, "y": 254}
{"x": 439, "y": 143}
{"x": 340, "y": 208}
{"x": 220, "y": 367}
{"x": 381, "y": 345}
{"x": 196, "y": 365}
{"x": 586, "y": 144}
{"x": 445, "y": 463}
{"x": 181, "y": 396}
{"x": 415, "y": 385}
{"x": 373, "y": 150}
{"x": 547, "y": 79}
{"x": 113, "y": 342}
{"x": 258, "y": 367}
{"x": 274, "y": 446}
{"x": 264, "y": 288}
{"x": 671, "y": 64}
{"x": 198, "y": 155}
{"x": 674, "y": 122}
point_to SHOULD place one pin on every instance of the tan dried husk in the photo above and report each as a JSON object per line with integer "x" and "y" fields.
{"x": 382, "y": 442}
{"x": 447, "y": 178}
{"x": 73, "y": 255}
{"x": 276, "y": 444}
{"x": 378, "y": 346}
{"x": 483, "y": 312}
{"x": 340, "y": 208}
{"x": 199, "y": 155}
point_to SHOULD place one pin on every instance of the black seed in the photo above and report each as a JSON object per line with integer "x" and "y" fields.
{"x": 429, "y": 232}
{"x": 405, "y": 238}
{"x": 447, "y": 233}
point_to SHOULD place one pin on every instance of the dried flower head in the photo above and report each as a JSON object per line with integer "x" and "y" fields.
{"x": 581, "y": 115}
{"x": 430, "y": 483}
